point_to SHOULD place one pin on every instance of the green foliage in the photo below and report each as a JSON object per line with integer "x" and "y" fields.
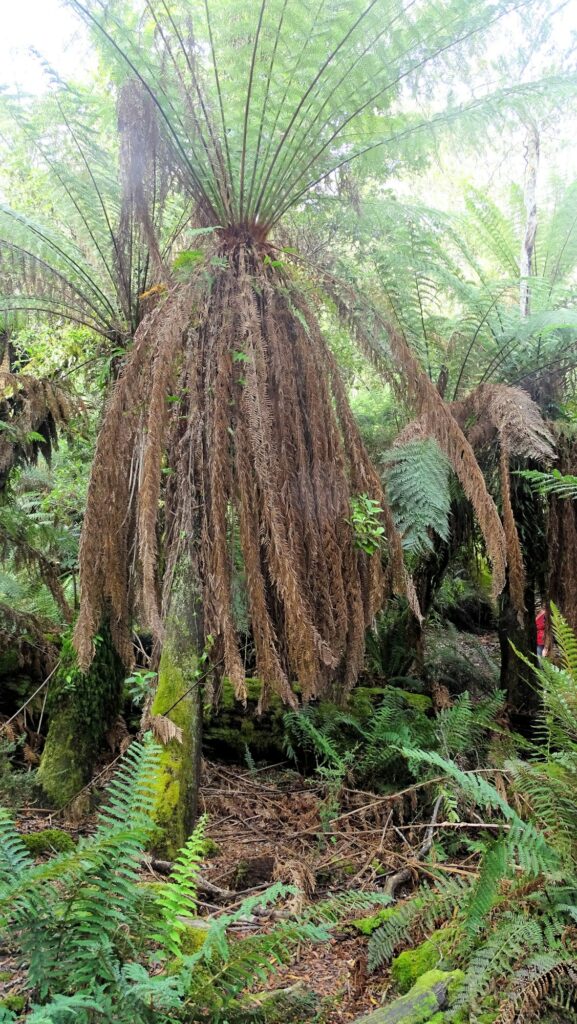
{"x": 178, "y": 896}
{"x": 508, "y": 924}
{"x": 90, "y": 937}
{"x": 366, "y": 521}
{"x": 562, "y": 486}
{"x": 16, "y": 786}
{"x": 365, "y": 742}
{"x": 417, "y": 480}
{"x": 48, "y": 841}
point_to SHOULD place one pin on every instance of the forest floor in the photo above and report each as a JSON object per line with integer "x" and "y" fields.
{"x": 272, "y": 824}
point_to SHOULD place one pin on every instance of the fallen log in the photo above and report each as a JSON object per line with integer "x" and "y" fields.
{"x": 428, "y": 996}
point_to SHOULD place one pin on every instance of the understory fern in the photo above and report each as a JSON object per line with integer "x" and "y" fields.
{"x": 366, "y": 742}
{"x": 554, "y": 482}
{"x": 96, "y": 944}
{"x": 512, "y": 924}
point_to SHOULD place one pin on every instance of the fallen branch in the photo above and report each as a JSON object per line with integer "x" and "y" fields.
{"x": 405, "y": 874}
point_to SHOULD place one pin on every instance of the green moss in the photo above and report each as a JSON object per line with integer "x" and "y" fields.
{"x": 410, "y": 965}
{"x": 210, "y": 848}
{"x": 49, "y": 840}
{"x": 192, "y": 939}
{"x": 176, "y": 760}
{"x": 8, "y": 662}
{"x": 230, "y": 727}
{"x": 367, "y": 925}
{"x": 5, "y": 976}
{"x": 14, "y": 1003}
{"x": 420, "y": 1005}
{"x": 82, "y": 706}
{"x": 364, "y": 699}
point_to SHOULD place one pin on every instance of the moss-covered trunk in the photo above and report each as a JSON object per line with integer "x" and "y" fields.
{"x": 178, "y": 697}
{"x": 82, "y": 707}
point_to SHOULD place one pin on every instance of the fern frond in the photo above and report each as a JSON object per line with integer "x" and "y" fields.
{"x": 178, "y": 895}
{"x": 14, "y": 857}
{"x": 417, "y": 481}
{"x": 559, "y": 484}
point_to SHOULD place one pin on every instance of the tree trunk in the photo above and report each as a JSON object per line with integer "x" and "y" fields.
{"x": 179, "y": 698}
{"x": 82, "y": 707}
{"x": 530, "y": 195}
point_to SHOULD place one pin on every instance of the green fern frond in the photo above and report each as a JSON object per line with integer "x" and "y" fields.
{"x": 417, "y": 480}
{"x": 14, "y": 857}
{"x": 178, "y": 895}
{"x": 562, "y": 486}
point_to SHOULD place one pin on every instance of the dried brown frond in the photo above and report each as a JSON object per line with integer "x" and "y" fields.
{"x": 496, "y": 414}
{"x": 163, "y": 729}
{"x": 507, "y": 414}
{"x": 32, "y": 411}
{"x": 390, "y": 354}
{"x": 562, "y": 536}
{"x": 231, "y": 389}
{"x": 534, "y": 987}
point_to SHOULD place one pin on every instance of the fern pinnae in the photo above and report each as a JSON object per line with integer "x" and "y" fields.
{"x": 14, "y": 857}
{"x": 178, "y": 896}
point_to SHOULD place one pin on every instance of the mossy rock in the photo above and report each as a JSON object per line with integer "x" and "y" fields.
{"x": 232, "y": 728}
{"x": 294, "y": 1005}
{"x": 368, "y": 925}
{"x": 48, "y": 841}
{"x": 209, "y": 848}
{"x": 413, "y": 963}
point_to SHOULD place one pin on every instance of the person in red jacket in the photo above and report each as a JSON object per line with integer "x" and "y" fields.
{"x": 541, "y": 626}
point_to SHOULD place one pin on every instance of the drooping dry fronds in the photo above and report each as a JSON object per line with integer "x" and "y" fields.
{"x": 509, "y": 415}
{"x": 232, "y": 390}
{"x": 391, "y": 356}
{"x": 562, "y": 536}
{"x": 31, "y": 413}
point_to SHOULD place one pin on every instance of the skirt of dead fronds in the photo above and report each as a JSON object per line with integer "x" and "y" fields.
{"x": 232, "y": 411}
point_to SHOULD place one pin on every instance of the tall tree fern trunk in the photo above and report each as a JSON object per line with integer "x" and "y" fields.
{"x": 178, "y": 698}
{"x": 82, "y": 707}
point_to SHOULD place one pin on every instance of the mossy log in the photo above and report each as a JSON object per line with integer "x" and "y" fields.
{"x": 232, "y": 729}
{"x": 82, "y": 707}
{"x": 410, "y": 965}
{"x": 431, "y": 994}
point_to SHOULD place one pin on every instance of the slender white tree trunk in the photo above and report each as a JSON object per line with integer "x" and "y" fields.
{"x": 526, "y": 263}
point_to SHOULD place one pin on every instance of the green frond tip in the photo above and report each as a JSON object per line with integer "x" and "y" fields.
{"x": 556, "y": 483}
{"x": 177, "y": 898}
